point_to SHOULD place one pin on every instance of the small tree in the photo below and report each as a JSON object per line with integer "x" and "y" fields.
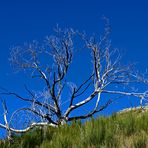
{"x": 107, "y": 77}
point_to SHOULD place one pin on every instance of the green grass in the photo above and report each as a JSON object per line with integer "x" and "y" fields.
{"x": 122, "y": 130}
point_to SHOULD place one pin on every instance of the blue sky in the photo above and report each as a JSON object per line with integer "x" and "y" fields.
{"x": 24, "y": 21}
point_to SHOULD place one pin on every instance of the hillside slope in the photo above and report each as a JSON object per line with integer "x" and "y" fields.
{"x": 121, "y": 130}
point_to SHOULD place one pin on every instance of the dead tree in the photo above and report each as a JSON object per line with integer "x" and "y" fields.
{"x": 107, "y": 76}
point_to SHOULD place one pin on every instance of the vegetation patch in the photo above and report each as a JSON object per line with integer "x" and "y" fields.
{"x": 129, "y": 129}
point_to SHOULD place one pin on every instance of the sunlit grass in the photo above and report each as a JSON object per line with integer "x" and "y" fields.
{"x": 122, "y": 130}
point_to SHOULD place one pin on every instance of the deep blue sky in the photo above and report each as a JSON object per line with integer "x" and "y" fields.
{"x": 24, "y": 21}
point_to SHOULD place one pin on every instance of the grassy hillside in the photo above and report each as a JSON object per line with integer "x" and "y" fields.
{"x": 122, "y": 130}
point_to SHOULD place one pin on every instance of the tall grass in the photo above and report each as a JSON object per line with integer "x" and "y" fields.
{"x": 117, "y": 131}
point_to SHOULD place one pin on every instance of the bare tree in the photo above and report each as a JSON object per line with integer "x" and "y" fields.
{"x": 50, "y": 64}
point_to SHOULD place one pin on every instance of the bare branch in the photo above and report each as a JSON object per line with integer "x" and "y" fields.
{"x": 145, "y": 95}
{"x": 80, "y": 103}
{"x": 91, "y": 113}
{"x": 33, "y": 125}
